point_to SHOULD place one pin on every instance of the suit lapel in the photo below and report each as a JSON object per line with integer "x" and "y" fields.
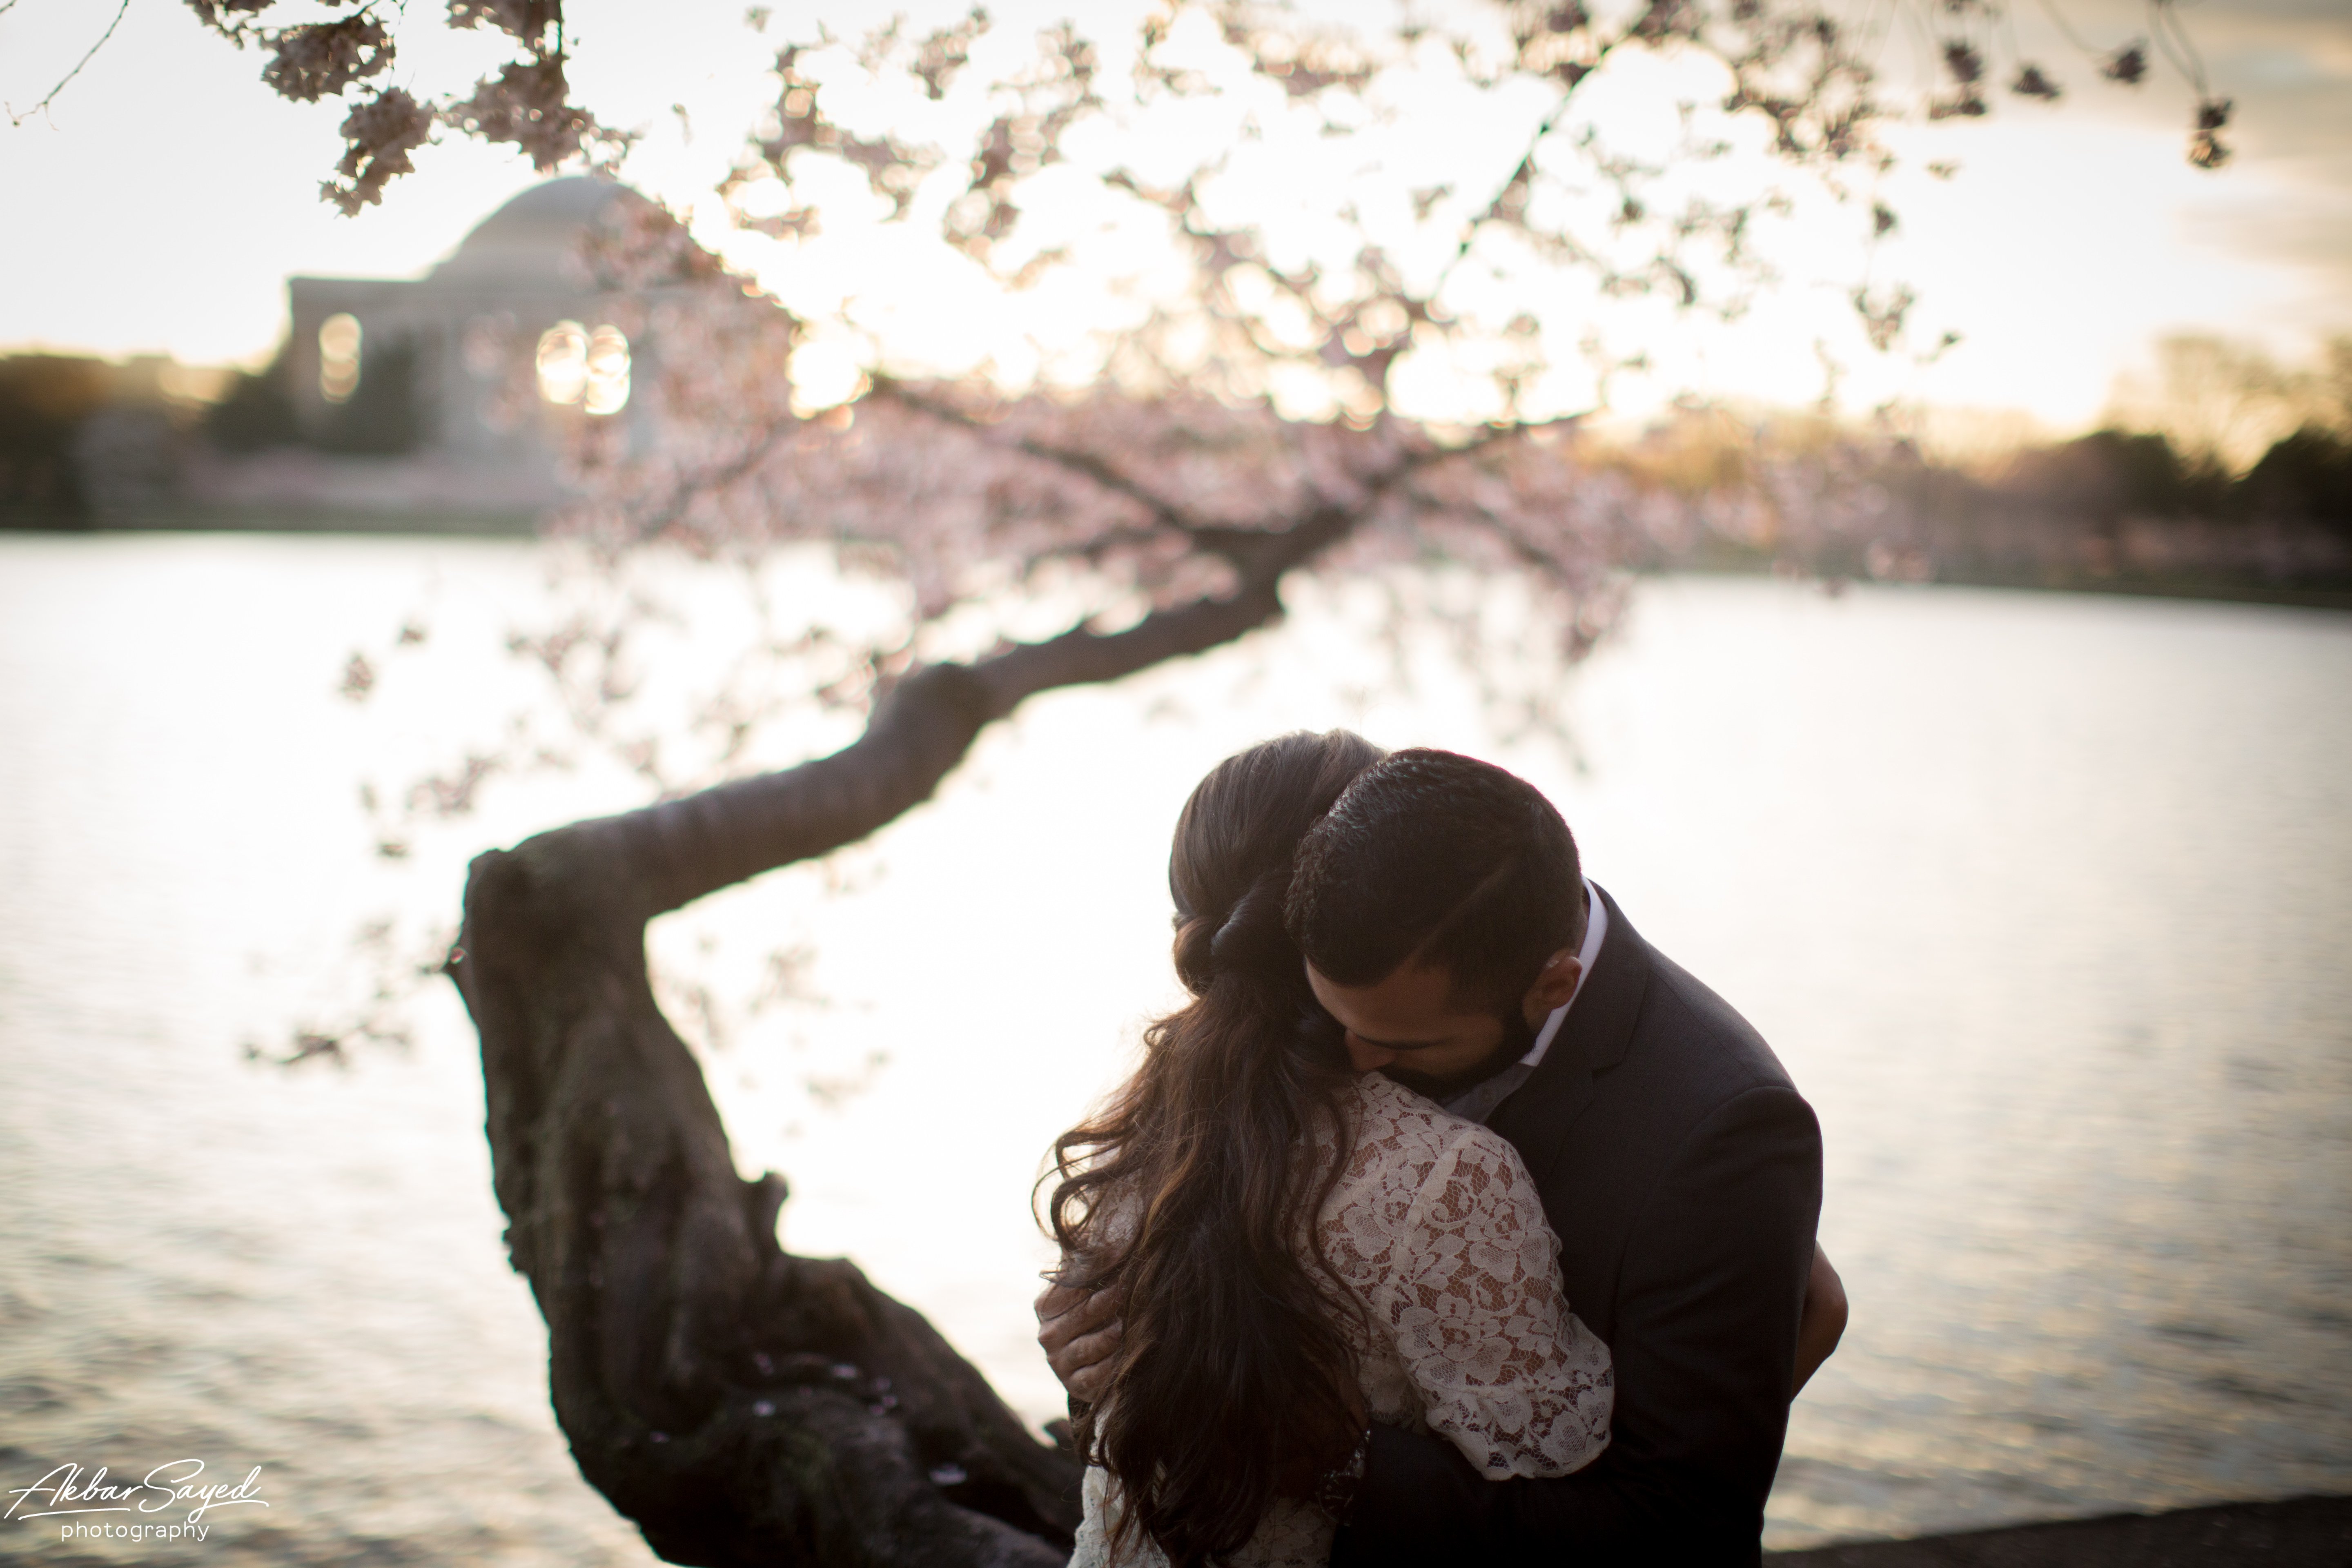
{"x": 1592, "y": 1039}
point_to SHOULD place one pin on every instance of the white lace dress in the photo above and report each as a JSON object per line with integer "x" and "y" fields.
{"x": 1436, "y": 1229}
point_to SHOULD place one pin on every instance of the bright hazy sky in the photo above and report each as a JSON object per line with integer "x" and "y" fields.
{"x": 160, "y": 205}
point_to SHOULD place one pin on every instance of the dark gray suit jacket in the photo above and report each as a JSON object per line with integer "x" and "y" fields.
{"x": 1682, "y": 1173}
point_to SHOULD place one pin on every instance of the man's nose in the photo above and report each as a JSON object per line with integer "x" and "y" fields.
{"x": 1366, "y": 1057}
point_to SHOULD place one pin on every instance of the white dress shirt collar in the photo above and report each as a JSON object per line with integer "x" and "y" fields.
{"x": 1596, "y": 927}
{"x": 1478, "y": 1102}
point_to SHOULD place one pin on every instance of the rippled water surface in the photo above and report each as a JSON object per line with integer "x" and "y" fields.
{"x": 2043, "y": 900}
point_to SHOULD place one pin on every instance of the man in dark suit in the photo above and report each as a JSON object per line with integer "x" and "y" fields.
{"x": 1447, "y": 926}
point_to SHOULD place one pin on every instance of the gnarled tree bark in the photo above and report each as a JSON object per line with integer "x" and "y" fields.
{"x": 742, "y": 1405}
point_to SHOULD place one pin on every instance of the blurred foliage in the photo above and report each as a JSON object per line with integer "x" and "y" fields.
{"x": 382, "y": 417}
{"x": 2223, "y": 404}
{"x": 2111, "y": 474}
{"x": 82, "y": 437}
{"x": 2306, "y": 476}
{"x": 43, "y": 400}
{"x": 257, "y": 412}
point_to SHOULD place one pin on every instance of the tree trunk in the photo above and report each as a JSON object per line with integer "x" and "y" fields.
{"x": 742, "y": 1405}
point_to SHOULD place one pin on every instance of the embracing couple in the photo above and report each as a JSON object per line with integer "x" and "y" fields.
{"x": 1447, "y": 1221}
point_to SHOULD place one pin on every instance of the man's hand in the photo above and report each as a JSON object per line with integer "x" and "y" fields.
{"x": 1078, "y": 1330}
{"x": 1822, "y": 1325}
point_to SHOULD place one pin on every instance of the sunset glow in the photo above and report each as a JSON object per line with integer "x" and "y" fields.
{"x": 2070, "y": 238}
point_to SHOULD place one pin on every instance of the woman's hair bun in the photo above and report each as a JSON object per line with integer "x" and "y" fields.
{"x": 1196, "y": 952}
{"x": 1252, "y": 935}
{"x": 1248, "y": 939}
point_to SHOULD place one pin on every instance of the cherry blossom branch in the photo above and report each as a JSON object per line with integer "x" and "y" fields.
{"x": 1167, "y": 513}
{"x": 51, "y": 96}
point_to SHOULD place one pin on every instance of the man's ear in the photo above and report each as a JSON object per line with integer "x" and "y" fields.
{"x": 1555, "y": 984}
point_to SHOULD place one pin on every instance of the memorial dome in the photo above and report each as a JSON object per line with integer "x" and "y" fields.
{"x": 533, "y": 238}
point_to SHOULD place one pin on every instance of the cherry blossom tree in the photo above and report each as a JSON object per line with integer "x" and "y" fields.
{"x": 1280, "y": 293}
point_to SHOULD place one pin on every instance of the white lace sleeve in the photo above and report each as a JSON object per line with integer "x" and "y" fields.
{"x": 1511, "y": 1377}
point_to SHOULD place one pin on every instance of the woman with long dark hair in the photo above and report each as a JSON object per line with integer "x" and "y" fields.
{"x": 1300, "y": 1248}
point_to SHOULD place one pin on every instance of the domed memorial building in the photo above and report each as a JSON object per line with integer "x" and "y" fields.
{"x": 467, "y": 367}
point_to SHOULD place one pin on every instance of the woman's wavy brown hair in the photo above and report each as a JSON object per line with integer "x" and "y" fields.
{"x": 1192, "y": 1189}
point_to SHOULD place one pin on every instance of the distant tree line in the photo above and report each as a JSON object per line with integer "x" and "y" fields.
{"x": 2109, "y": 474}
{"x": 1795, "y": 493}
{"x": 381, "y": 417}
{"x": 2226, "y": 473}
{"x": 82, "y": 437}
{"x": 2115, "y": 509}
{"x": 2243, "y": 437}
{"x": 44, "y": 401}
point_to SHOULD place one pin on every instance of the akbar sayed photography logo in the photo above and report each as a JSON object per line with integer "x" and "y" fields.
{"x": 171, "y": 1502}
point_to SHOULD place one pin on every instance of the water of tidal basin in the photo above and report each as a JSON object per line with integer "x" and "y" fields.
{"x": 2043, "y": 900}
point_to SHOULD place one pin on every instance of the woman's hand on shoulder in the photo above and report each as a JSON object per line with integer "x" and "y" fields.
{"x": 1079, "y": 1331}
{"x": 1823, "y": 1323}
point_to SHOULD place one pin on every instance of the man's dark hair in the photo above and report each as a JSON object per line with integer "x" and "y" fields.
{"x": 1443, "y": 861}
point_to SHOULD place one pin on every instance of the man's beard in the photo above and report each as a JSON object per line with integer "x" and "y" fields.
{"x": 1518, "y": 1038}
